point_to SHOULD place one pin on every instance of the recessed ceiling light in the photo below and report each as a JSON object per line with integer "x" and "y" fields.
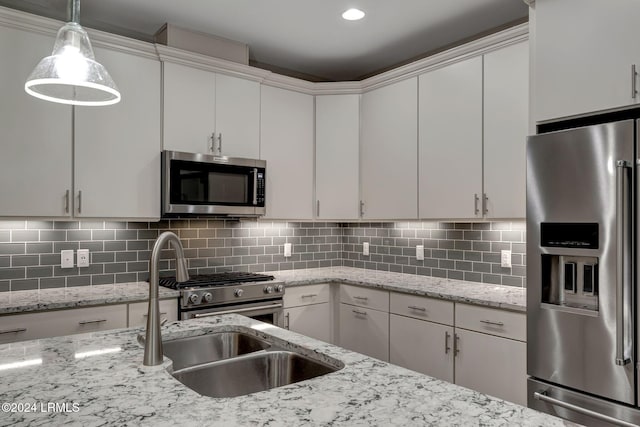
{"x": 353, "y": 14}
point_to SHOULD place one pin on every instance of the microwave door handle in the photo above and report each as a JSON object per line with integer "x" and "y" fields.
{"x": 622, "y": 228}
{"x": 255, "y": 186}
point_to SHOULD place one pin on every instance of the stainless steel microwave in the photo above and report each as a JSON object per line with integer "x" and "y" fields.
{"x": 202, "y": 184}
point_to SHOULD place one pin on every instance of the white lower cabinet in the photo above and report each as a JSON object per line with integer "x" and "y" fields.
{"x": 421, "y": 346}
{"x": 307, "y": 311}
{"x": 29, "y": 326}
{"x": 364, "y": 330}
{"x": 138, "y": 312}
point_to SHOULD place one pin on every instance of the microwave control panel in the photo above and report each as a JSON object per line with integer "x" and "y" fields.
{"x": 261, "y": 181}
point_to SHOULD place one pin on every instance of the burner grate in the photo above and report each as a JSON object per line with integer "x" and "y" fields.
{"x": 216, "y": 279}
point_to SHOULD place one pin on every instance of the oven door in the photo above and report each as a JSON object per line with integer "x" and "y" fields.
{"x": 264, "y": 311}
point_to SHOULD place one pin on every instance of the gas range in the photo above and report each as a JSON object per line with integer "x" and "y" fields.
{"x": 225, "y": 292}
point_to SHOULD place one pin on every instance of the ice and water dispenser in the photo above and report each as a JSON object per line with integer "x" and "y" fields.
{"x": 569, "y": 277}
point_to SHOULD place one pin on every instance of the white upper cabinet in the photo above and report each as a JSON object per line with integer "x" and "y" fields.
{"x": 189, "y": 103}
{"x": 506, "y": 119}
{"x": 286, "y": 129}
{"x": 337, "y": 156}
{"x": 206, "y": 112}
{"x": 584, "y": 53}
{"x": 451, "y": 141}
{"x": 35, "y": 164}
{"x": 117, "y": 148}
{"x": 389, "y": 146}
{"x": 238, "y": 116}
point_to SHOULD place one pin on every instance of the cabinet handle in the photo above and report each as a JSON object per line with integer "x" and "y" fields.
{"x": 220, "y": 143}
{"x": 476, "y": 199}
{"x": 317, "y": 207}
{"x": 489, "y": 322}
{"x": 446, "y": 342}
{"x": 286, "y": 320}
{"x": 80, "y": 201}
{"x": 361, "y": 208}
{"x": 360, "y": 298}
{"x": 161, "y": 314}
{"x": 634, "y": 75}
{"x": 309, "y": 296}
{"x": 456, "y": 344}
{"x": 413, "y": 307}
{"x": 212, "y": 143}
{"x": 361, "y": 313}
{"x": 13, "y": 331}
{"x": 66, "y": 202}
{"x": 485, "y": 204}
{"x": 88, "y": 322}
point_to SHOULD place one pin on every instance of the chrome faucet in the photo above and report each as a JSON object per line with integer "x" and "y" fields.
{"x": 153, "y": 339}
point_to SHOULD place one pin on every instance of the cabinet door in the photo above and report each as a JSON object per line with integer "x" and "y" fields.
{"x": 35, "y": 165}
{"x": 337, "y": 156}
{"x": 311, "y": 320}
{"x": 492, "y": 365}
{"x": 138, "y": 312}
{"x": 365, "y": 331}
{"x": 189, "y": 108}
{"x": 451, "y": 141}
{"x": 585, "y": 66}
{"x": 421, "y": 346}
{"x": 506, "y": 126}
{"x": 388, "y": 151}
{"x": 286, "y": 130}
{"x": 238, "y": 116}
{"x": 117, "y": 148}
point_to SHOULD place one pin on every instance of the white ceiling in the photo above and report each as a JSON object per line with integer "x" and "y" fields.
{"x": 305, "y": 36}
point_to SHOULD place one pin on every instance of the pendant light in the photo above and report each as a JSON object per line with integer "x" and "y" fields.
{"x": 71, "y": 74}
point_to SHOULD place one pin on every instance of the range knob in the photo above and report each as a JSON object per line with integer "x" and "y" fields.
{"x": 268, "y": 289}
{"x": 238, "y": 292}
{"x": 279, "y": 288}
{"x": 207, "y": 297}
{"x": 193, "y": 298}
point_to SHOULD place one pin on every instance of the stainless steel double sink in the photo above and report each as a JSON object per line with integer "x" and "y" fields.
{"x": 229, "y": 364}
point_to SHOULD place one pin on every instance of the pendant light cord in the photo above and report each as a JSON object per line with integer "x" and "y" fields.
{"x": 74, "y": 11}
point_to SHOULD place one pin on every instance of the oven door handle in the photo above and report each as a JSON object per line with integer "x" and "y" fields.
{"x": 239, "y": 310}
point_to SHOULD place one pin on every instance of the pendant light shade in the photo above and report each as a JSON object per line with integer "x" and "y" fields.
{"x": 71, "y": 74}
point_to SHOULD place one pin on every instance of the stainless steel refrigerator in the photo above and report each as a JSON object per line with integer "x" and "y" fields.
{"x": 582, "y": 222}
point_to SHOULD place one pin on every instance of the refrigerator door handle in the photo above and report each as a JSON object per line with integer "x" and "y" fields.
{"x": 622, "y": 227}
{"x": 579, "y": 409}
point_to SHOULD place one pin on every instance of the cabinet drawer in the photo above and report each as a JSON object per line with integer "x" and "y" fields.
{"x": 363, "y": 297}
{"x": 31, "y": 326}
{"x": 492, "y": 321}
{"x": 305, "y": 295}
{"x": 138, "y": 312}
{"x": 418, "y": 307}
{"x": 365, "y": 331}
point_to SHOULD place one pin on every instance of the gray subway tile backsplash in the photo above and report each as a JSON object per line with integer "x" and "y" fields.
{"x": 30, "y": 250}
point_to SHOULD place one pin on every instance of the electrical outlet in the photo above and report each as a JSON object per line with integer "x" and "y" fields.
{"x": 420, "y": 252}
{"x": 66, "y": 259}
{"x": 287, "y": 250}
{"x": 505, "y": 259}
{"x": 365, "y": 249}
{"x": 83, "y": 257}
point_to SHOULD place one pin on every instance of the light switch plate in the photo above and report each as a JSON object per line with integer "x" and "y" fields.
{"x": 66, "y": 258}
{"x": 505, "y": 259}
{"x": 420, "y": 252}
{"x": 365, "y": 248}
{"x": 83, "y": 257}
{"x": 287, "y": 250}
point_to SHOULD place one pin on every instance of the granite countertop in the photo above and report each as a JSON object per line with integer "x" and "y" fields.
{"x": 111, "y": 387}
{"x": 77, "y": 296}
{"x": 498, "y": 296}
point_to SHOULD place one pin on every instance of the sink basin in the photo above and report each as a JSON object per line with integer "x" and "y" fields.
{"x": 203, "y": 349}
{"x": 251, "y": 373}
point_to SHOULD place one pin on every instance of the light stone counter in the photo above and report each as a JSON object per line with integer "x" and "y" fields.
{"x": 77, "y": 296}
{"x": 498, "y": 296}
{"x": 111, "y": 388}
